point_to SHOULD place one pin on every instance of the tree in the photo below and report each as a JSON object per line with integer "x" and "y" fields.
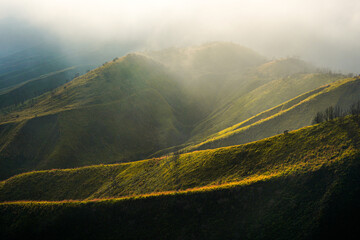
{"x": 329, "y": 113}
{"x": 355, "y": 108}
{"x": 318, "y": 118}
{"x": 338, "y": 112}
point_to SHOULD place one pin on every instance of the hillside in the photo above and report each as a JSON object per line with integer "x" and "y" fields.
{"x": 280, "y": 155}
{"x": 32, "y": 88}
{"x": 233, "y": 83}
{"x": 42, "y": 58}
{"x": 122, "y": 111}
{"x": 302, "y": 185}
{"x": 293, "y": 114}
{"x": 30, "y": 63}
{"x": 140, "y": 104}
{"x": 254, "y": 101}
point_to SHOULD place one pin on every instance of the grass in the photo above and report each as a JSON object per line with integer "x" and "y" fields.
{"x": 116, "y": 113}
{"x": 293, "y": 114}
{"x": 133, "y": 107}
{"x": 299, "y": 205}
{"x": 244, "y": 105}
{"x": 300, "y": 185}
{"x": 321, "y": 145}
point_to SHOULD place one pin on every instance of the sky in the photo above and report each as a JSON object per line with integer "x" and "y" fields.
{"x": 325, "y": 33}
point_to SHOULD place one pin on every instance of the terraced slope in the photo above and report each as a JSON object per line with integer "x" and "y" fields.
{"x": 307, "y": 189}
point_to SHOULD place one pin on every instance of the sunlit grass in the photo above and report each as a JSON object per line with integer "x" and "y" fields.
{"x": 300, "y": 151}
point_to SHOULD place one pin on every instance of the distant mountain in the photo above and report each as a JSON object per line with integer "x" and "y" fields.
{"x": 41, "y": 58}
{"x": 143, "y": 103}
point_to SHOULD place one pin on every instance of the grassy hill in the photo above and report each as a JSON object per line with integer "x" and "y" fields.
{"x": 246, "y": 105}
{"x": 123, "y": 111}
{"x": 283, "y": 154}
{"x": 233, "y": 83}
{"x": 293, "y": 114}
{"x": 302, "y": 185}
{"x": 140, "y": 104}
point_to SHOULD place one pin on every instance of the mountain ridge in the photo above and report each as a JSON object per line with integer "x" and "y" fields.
{"x": 180, "y": 113}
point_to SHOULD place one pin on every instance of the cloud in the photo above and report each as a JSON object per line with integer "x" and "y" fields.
{"x": 325, "y": 32}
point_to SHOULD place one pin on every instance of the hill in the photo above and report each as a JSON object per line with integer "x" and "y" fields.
{"x": 140, "y": 104}
{"x": 293, "y": 114}
{"x": 233, "y": 83}
{"x": 32, "y": 88}
{"x": 302, "y": 185}
{"x": 280, "y": 155}
{"x": 254, "y": 101}
{"x": 122, "y": 111}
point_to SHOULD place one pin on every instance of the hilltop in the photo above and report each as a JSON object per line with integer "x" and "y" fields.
{"x": 302, "y": 185}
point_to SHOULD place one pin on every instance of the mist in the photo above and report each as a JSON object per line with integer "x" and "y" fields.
{"x": 325, "y": 33}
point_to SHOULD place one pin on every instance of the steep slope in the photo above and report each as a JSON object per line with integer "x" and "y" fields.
{"x": 293, "y": 114}
{"x": 316, "y": 197}
{"x": 234, "y": 83}
{"x": 254, "y": 101}
{"x": 123, "y": 111}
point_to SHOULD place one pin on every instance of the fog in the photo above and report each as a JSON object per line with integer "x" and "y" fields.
{"x": 325, "y": 33}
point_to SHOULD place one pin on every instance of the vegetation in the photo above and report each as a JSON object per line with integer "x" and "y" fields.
{"x": 98, "y": 118}
{"x": 331, "y": 113}
{"x": 182, "y": 106}
{"x": 293, "y": 114}
{"x": 135, "y": 106}
{"x": 315, "y": 198}
{"x": 280, "y": 155}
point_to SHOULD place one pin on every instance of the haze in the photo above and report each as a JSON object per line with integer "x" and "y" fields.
{"x": 325, "y": 33}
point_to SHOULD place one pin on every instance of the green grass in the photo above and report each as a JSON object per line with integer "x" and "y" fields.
{"x": 293, "y": 114}
{"x": 304, "y": 150}
{"x": 136, "y": 107}
{"x": 246, "y": 105}
{"x": 123, "y": 111}
{"x": 307, "y": 203}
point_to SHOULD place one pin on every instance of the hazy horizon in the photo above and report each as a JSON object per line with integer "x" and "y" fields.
{"x": 324, "y": 33}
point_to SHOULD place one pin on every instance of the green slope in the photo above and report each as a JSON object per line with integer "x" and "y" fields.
{"x": 293, "y": 114}
{"x": 133, "y": 107}
{"x": 307, "y": 149}
{"x": 233, "y": 83}
{"x": 122, "y": 111}
{"x": 315, "y": 198}
{"x": 254, "y": 101}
